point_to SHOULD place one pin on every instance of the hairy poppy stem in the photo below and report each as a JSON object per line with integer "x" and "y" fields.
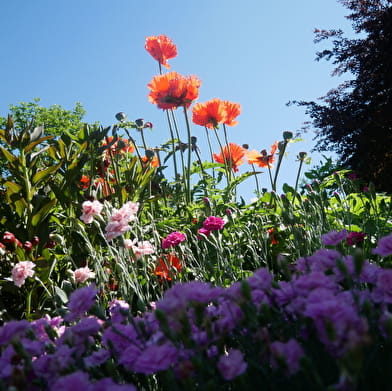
{"x": 188, "y": 172}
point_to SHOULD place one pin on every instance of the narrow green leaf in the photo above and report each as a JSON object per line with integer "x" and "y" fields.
{"x": 44, "y": 174}
{"x": 43, "y": 213}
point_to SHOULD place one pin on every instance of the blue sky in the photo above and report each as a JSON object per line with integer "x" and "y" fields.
{"x": 257, "y": 53}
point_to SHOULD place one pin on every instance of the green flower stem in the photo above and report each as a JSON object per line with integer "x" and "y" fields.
{"x": 227, "y": 168}
{"x": 188, "y": 173}
{"x": 179, "y": 143}
{"x": 173, "y": 145}
{"x": 301, "y": 162}
{"x": 281, "y": 154}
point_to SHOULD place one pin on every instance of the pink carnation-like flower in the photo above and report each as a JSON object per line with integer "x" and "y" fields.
{"x": 21, "y": 271}
{"x": 139, "y": 248}
{"x": 354, "y": 238}
{"x": 173, "y": 239}
{"x": 83, "y": 274}
{"x": 90, "y": 209}
{"x": 119, "y": 219}
{"x": 213, "y": 223}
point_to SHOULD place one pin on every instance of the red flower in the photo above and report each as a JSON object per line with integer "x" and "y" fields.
{"x": 262, "y": 159}
{"x": 120, "y": 146}
{"x": 8, "y": 238}
{"x": 173, "y": 90}
{"x": 167, "y": 265}
{"x": 272, "y": 235}
{"x": 209, "y": 114}
{"x": 161, "y": 48}
{"x": 231, "y": 155}
{"x": 84, "y": 181}
{"x": 233, "y": 110}
{"x": 153, "y": 161}
{"x": 215, "y": 112}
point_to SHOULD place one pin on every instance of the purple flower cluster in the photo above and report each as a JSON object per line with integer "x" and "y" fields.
{"x": 332, "y": 306}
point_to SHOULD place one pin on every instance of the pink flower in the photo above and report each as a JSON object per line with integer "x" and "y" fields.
{"x": 83, "y": 274}
{"x": 173, "y": 239}
{"x": 203, "y": 231}
{"x": 90, "y": 209}
{"x": 119, "y": 219}
{"x": 139, "y": 248}
{"x": 213, "y": 223}
{"x": 21, "y": 271}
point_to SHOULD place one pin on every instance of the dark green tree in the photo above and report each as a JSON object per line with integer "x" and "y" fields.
{"x": 355, "y": 119}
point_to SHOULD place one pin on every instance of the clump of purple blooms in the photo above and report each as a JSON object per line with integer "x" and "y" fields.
{"x": 328, "y": 324}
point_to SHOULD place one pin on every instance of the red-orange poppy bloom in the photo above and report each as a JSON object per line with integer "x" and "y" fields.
{"x": 209, "y": 114}
{"x": 262, "y": 159}
{"x": 120, "y": 146}
{"x": 232, "y": 155}
{"x": 167, "y": 265}
{"x": 233, "y": 110}
{"x": 271, "y": 233}
{"x": 173, "y": 90}
{"x": 84, "y": 181}
{"x": 154, "y": 161}
{"x": 161, "y": 49}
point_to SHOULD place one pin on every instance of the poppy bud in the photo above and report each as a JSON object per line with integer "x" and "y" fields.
{"x": 150, "y": 153}
{"x": 139, "y": 122}
{"x": 121, "y": 116}
{"x": 287, "y": 135}
{"x": 148, "y": 125}
{"x": 245, "y": 146}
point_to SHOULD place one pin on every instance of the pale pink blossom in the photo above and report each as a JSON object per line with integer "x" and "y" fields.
{"x": 90, "y": 209}
{"x": 119, "y": 219}
{"x": 142, "y": 248}
{"x": 21, "y": 271}
{"x": 83, "y": 274}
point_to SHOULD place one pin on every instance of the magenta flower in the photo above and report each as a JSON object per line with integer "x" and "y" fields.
{"x": 21, "y": 271}
{"x": 213, "y": 223}
{"x": 173, "y": 239}
{"x": 232, "y": 364}
{"x": 355, "y": 238}
{"x": 384, "y": 246}
{"x": 333, "y": 238}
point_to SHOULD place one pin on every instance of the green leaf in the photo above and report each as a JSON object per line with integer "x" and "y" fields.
{"x": 8, "y": 155}
{"x": 43, "y": 213}
{"x": 36, "y": 142}
{"x": 44, "y": 174}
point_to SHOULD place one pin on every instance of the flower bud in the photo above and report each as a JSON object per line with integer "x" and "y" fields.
{"x": 139, "y": 122}
{"x": 121, "y": 116}
{"x": 8, "y": 238}
{"x": 287, "y": 135}
{"x": 28, "y": 246}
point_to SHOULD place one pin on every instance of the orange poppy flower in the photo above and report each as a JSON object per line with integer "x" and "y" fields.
{"x": 161, "y": 48}
{"x": 231, "y": 155}
{"x": 154, "y": 161}
{"x": 262, "y": 159}
{"x": 233, "y": 110}
{"x": 166, "y": 265}
{"x": 120, "y": 146}
{"x": 84, "y": 181}
{"x": 272, "y": 236}
{"x": 209, "y": 114}
{"x": 173, "y": 90}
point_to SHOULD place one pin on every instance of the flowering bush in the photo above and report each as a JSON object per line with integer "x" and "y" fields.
{"x": 327, "y": 325}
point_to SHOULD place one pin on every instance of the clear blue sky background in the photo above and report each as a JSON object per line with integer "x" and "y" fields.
{"x": 254, "y": 52}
